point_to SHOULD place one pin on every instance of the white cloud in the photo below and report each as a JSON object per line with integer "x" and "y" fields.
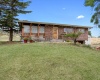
{"x": 80, "y": 17}
{"x": 63, "y": 8}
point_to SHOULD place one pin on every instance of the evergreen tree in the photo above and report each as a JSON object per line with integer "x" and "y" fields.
{"x": 9, "y": 10}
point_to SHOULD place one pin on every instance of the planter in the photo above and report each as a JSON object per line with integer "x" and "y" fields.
{"x": 25, "y": 41}
{"x": 31, "y": 41}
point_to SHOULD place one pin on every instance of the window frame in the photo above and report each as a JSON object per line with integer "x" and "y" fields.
{"x": 68, "y": 30}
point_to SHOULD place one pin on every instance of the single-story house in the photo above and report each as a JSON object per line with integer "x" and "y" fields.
{"x": 50, "y": 31}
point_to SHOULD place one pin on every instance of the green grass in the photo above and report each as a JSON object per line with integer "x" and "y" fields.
{"x": 48, "y": 61}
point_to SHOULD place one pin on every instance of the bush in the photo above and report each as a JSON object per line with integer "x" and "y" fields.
{"x": 67, "y": 40}
{"x": 25, "y": 38}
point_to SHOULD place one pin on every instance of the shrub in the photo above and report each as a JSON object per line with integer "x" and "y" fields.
{"x": 25, "y": 38}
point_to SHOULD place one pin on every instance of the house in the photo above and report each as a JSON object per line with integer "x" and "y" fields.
{"x": 50, "y": 31}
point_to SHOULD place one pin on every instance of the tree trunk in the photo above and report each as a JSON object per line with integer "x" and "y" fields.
{"x": 75, "y": 41}
{"x": 11, "y": 34}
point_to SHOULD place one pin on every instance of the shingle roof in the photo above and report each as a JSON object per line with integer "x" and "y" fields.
{"x": 46, "y": 23}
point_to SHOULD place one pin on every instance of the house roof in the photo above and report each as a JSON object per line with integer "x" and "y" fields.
{"x": 46, "y": 23}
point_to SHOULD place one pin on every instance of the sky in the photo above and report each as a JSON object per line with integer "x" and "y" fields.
{"x": 61, "y": 11}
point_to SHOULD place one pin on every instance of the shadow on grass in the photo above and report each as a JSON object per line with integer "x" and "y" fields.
{"x": 9, "y": 42}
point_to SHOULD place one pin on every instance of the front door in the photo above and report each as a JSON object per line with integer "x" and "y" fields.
{"x": 55, "y": 32}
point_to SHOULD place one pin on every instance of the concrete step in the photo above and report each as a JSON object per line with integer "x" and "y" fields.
{"x": 56, "y": 40}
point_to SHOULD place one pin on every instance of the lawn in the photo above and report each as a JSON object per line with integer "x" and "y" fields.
{"x": 48, "y": 61}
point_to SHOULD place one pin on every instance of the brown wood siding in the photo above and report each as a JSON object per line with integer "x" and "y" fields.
{"x": 55, "y": 33}
{"x": 30, "y": 29}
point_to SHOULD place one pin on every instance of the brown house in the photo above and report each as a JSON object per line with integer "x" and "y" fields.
{"x": 51, "y": 31}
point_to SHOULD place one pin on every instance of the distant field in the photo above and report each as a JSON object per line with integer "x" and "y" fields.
{"x": 95, "y": 40}
{"x": 5, "y": 37}
{"x": 48, "y": 61}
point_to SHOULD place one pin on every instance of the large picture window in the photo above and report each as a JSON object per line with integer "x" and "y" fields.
{"x": 41, "y": 29}
{"x": 34, "y": 29}
{"x": 26, "y": 29}
{"x": 68, "y": 30}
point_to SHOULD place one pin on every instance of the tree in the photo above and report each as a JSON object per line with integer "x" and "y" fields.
{"x": 73, "y": 36}
{"x": 98, "y": 36}
{"x": 95, "y": 4}
{"x": 9, "y": 10}
{"x": 89, "y": 33}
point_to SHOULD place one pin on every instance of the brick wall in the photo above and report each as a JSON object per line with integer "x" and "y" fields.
{"x": 48, "y": 32}
{"x": 83, "y": 36}
{"x": 49, "y": 29}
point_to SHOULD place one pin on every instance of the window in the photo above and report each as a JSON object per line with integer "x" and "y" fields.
{"x": 68, "y": 30}
{"x": 26, "y": 29}
{"x": 81, "y": 30}
{"x": 34, "y": 29}
{"x": 41, "y": 29}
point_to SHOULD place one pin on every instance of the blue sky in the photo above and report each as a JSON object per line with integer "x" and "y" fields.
{"x": 61, "y": 11}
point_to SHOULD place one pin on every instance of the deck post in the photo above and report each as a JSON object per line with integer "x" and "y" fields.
{"x": 22, "y": 30}
{"x": 75, "y": 30}
{"x": 38, "y": 30}
{"x": 30, "y": 29}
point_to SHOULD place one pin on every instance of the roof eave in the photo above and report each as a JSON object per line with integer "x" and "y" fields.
{"x": 25, "y": 21}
